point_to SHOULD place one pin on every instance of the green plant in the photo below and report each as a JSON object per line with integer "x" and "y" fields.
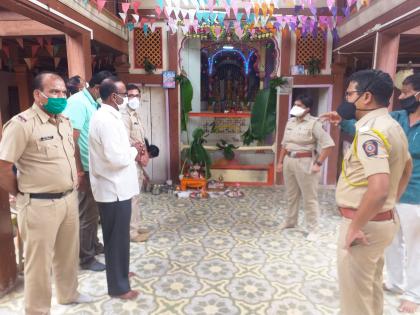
{"x": 277, "y": 81}
{"x": 186, "y": 98}
{"x": 263, "y": 117}
{"x": 227, "y": 148}
{"x": 196, "y": 153}
{"x": 313, "y": 66}
{"x": 148, "y": 66}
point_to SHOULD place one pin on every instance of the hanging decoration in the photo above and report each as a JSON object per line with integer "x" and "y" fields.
{"x": 245, "y": 24}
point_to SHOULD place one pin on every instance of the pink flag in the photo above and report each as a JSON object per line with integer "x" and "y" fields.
{"x": 40, "y": 41}
{"x": 34, "y": 50}
{"x": 125, "y": 6}
{"x": 247, "y": 7}
{"x": 136, "y": 5}
{"x": 218, "y": 31}
{"x": 20, "y": 41}
{"x": 158, "y": 11}
{"x": 100, "y": 4}
{"x": 330, "y": 4}
{"x": 210, "y": 4}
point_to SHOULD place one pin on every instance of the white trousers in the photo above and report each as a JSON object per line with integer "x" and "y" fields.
{"x": 402, "y": 257}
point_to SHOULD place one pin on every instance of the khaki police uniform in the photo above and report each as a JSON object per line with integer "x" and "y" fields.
{"x": 136, "y": 134}
{"x": 42, "y": 149}
{"x": 303, "y": 136}
{"x": 380, "y": 146}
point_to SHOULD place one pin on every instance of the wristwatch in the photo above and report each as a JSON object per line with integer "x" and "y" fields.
{"x": 318, "y": 163}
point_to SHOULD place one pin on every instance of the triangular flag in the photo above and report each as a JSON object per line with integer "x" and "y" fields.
{"x": 271, "y": 9}
{"x": 50, "y": 49}
{"x": 256, "y": 8}
{"x": 48, "y": 40}
{"x": 191, "y": 14}
{"x": 227, "y": 8}
{"x": 40, "y": 41}
{"x": 247, "y": 7}
{"x": 125, "y": 6}
{"x": 56, "y": 61}
{"x": 100, "y": 4}
{"x": 176, "y": 11}
{"x": 29, "y": 62}
{"x": 130, "y": 26}
{"x": 210, "y": 5}
{"x": 158, "y": 11}
{"x": 235, "y": 8}
{"x": 34, "y": 50}
{"x": 136, "y": 17}
{"x": 145, "y": 28}
{"x": 20, "y": 41}
{"x": 184, "y": 13}
{"x": 6, "y": 51}
{"x": 123, "y": 16}
{"x": 239, "y": 16}
{"x": 264, "y": 9}
{"x": 136, "y": 5}
{"x": 264, "y": 20}
{"x": 160, "y": 3}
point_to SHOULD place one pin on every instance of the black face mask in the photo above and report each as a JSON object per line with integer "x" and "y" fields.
{"x": 347, "y": 110}
{"x": 410, "y": 104}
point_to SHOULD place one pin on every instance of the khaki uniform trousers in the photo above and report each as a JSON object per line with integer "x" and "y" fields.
{"x": 300, "y": 182}
{"x": 360, "y": 268}
{"x": 135, "y": 206}
{"x": 50, "y": 232}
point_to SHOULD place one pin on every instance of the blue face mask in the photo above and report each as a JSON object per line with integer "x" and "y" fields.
{"x": 55, "y": 105}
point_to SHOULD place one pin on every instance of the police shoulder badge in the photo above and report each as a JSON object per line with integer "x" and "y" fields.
{"x": 370, "y": 147}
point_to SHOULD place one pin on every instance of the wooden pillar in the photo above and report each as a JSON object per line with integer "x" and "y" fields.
{"x": 122, "y": 68}
{"x": 386, "y": 54}
{"x": 24, "y": 88}
{"x": 283, "y": 113}
{"x": 337, "y": 70}
{"x": 174, "y": 118}
{"x": 8, "y": 270}
{"x": 79, "y": 55}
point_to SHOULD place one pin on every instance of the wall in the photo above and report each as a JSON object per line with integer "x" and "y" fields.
{"x": 191, "y": 63}
{"x": 7, "y": 79}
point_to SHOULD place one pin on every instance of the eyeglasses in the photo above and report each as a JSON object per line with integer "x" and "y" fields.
{"x": 348, "y": 93}
{"x": 122, "y": 94}
{"x": 133, "y": 95}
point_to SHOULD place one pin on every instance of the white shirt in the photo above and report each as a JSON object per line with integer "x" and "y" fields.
{"x": 112, "y": 165}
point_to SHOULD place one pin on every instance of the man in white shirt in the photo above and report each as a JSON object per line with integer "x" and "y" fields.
{"x": 112, "y": 165}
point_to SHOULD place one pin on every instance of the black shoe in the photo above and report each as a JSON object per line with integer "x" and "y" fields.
{"x": 95, "y": 266}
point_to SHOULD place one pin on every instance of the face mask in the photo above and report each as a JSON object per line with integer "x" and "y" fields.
{"x": 55, "y": 105}
{"x": 99, "y": 101}
{"x": 134, "y": 103}
{"x": 297, "y": 111}
{"x": 410, "y": 103}
{"x": 87, "y": 85}
{"x": 125, "y": 101}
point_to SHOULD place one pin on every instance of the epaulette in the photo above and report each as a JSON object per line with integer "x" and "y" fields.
{"x": 21, "y": 118}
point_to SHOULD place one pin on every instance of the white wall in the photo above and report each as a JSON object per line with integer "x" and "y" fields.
{"x": 191, "y": 63}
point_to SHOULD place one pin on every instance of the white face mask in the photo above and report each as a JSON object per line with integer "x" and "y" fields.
{"x": 297, "y": 111}
{"x": 134, "y": 103}
{"x": 125, "y": 101}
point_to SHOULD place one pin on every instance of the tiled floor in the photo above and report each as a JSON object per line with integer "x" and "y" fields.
{"x": 222, "y": 257}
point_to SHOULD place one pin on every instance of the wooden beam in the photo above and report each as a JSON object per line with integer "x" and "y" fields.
{"x": 401, "y": 26}
{"x": 26, "y": 28}
{"x": 283, "y": 113}
{"x": 413, "y": 31}
{"x": 78, "y": 55}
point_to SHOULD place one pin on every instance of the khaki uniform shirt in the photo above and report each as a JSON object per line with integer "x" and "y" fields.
{"x": 133, "y": 125}
{"x": 42, "y": 149}
{"x": 305, "y": 135}
{"x": 373, "y": 158}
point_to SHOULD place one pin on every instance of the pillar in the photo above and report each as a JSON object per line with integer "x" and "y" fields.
{"x": 283, "y": 113}
{"x": 8, "y": 270}
{"x": 24, "y": 89}
{"x": 174, "y": 115}
{"x": 78, "y": 50}
{"x": 386, "y": 54}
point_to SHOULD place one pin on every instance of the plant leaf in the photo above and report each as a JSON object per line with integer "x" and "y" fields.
{"x": 186, "y": 98}
{"x": 263, "y": 114}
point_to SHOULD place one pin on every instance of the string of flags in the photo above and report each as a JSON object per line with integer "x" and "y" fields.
{"x": 242, "y": 20}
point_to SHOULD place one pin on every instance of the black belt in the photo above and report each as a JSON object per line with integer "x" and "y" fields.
{"x": 50, "y": 195}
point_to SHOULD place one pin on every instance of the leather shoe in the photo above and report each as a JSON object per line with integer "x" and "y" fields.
{"x": 95, "y": 266}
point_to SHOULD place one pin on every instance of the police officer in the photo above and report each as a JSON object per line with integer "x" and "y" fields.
{"x": 301, "y": 165}
{"x": 375, "y": 172}
{"x": 39, "y": 143}
{"x": 136, "y": 133}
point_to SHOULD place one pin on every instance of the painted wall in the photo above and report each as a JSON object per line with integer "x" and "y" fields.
{"x": 191, "y": 63}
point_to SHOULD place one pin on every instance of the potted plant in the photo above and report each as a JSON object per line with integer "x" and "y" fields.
{"x": 228, "y": 151}
{"x": 196, "y": 154}
{"x": 148, "y": 66}
{"x": 314, "y": 66}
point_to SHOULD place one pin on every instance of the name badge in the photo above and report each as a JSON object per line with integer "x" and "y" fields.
{"x": 47, "y": 138}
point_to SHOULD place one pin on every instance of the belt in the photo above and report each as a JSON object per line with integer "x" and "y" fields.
{"x": 349, "y": 213}
{"x": 298, "y": 155}
{"x": 50, "y": 195}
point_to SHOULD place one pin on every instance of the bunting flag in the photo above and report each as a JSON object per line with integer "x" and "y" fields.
{"x": 40, "y": 41}
{"x": 56, "y": 61}
{"x": 247, "y": 7}
{"x": 100, "y": 5}
{"x": 239, "y": 16}
{"x": 136, "y": 6}
{"x": 123, "y": 16}
{"x": 6, "y": 51}
{"x": 136, "y": 17}
{"x": 191, "y": 14}
{"x": 20, "y": 41}
{"x": 125, "y": 6}
{"x": 158, "y": 11}
{"x": 50, "y": 49}
{"x": 264, "y": 9}
{"x": 34, "y": 50}
{"x": 30, "y": 62}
